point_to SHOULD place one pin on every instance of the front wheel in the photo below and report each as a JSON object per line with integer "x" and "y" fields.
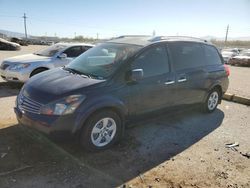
{"x": 101, "y": 131}
{"x": 212, "y": 101}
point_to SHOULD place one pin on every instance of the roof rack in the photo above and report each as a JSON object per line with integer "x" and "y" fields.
{"x": 159, "y": 38}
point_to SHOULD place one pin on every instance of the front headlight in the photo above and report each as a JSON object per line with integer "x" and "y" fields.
{"x": 63, "y": 106}
{"x": 19, "y": 66}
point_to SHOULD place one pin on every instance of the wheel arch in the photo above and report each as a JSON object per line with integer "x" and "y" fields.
{"x": 215, "y": 86}
{"x": 38, "y": 68}
{"x": 116, "y": 106}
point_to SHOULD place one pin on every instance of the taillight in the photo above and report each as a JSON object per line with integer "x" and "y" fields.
{"x": 227, "y": 69}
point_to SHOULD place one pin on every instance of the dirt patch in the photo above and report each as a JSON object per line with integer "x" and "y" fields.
{"x": 239, "y": 80}
{"x": 48, "y": 166}
{"x": 180, "y": 150}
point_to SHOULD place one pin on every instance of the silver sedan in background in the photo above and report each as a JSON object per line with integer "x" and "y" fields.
{"x": 227, "y": 54}
{"x": 21, "y": 68}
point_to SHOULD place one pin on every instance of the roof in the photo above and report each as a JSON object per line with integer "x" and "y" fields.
{"x": 143, "y": 40}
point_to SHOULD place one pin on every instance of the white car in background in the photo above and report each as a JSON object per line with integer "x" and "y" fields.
{"x": 243, "y": 59}
{"x": 21, "y": 68}
{"x": 227, "y": 54}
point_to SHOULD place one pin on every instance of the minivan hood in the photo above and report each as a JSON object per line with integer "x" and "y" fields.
{"x": 27, "y": 58}
{"x": 55, "y": 84}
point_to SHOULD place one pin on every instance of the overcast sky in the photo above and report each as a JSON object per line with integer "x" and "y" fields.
{"x": 112, "y": 18}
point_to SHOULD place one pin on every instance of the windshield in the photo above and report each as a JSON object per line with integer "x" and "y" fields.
{"x": 102, "y": 60}
{"x": 50, "y": 51}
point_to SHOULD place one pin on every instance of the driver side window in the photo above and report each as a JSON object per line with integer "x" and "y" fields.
{"x": 153, "y": 61}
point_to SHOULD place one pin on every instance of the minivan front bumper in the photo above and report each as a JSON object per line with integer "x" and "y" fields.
{"x": 49, "y": 125}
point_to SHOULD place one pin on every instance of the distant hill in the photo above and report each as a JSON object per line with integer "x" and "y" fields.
{"x": 12, "y": 34}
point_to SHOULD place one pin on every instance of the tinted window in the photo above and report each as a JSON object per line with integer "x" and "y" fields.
{"x": 212, "y": 55}
{"x": 85, "y": 48}
{"x": 186, "y": 55}
{"x": 73, "y": 51}
{"x": 153, "y": 61}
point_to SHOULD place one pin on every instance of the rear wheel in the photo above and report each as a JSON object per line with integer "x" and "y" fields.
{"x": 101, "y": 131}
{"x": 212, "y": 101}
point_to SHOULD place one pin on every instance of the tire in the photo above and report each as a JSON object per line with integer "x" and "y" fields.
{"x": 212, "y": 101}
{"x": 36, "y": 71}
{"x": 101, "y": 131}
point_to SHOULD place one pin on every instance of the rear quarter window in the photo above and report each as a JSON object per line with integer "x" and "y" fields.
{"x": 212, "y": 56}
{"x": 186, "y": 55}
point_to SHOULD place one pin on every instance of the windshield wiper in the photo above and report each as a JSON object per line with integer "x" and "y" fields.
{"x": 94, "y": 76}
{"x": 82, "y": 74}
{"x": 72, "y": 70}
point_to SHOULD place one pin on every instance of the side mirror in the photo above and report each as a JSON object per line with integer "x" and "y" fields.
{"x": 136, "y": 74}
{"x": 62, "y": 56}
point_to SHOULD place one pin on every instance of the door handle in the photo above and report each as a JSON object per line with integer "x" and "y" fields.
{"x": 169, "y": 82}
{"x": 182, "y": 80}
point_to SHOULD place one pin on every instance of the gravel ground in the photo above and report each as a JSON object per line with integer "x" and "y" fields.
{"x": 239, "y": 81}
{"x": 181, "y": 149}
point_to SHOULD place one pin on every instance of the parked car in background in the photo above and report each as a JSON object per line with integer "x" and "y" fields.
{"x": 21, "y": 68}
{"x": 19, "y": 41}
{"x": 243, "y": 59}
{"x": 227, "y": 54}
{"x": 6, "y": 45}
{"x": 50, "y": 43}
{"x": 117, "y": 81}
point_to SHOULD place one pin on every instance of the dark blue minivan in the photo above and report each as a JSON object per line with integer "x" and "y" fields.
{"x": 118, "y": 80}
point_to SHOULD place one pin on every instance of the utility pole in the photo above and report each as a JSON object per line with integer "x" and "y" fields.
{"x": 24, "y": 21}
{"x": 153, "y": 33}
{"x": 226, "y": 33}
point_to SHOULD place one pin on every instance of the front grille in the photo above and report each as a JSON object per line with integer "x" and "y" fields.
{"x": 4, "y": 66}
{"x": 28, "y": 105}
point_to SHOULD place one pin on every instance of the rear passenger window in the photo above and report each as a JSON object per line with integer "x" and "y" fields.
{"x": 153, "y": 61}
{"x": 186, "y": 55}
{"x": 212, "y": 56}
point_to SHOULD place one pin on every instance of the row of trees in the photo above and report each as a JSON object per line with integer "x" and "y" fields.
{"x": 80, "y": 38}
{"x": 235, "y": 44}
